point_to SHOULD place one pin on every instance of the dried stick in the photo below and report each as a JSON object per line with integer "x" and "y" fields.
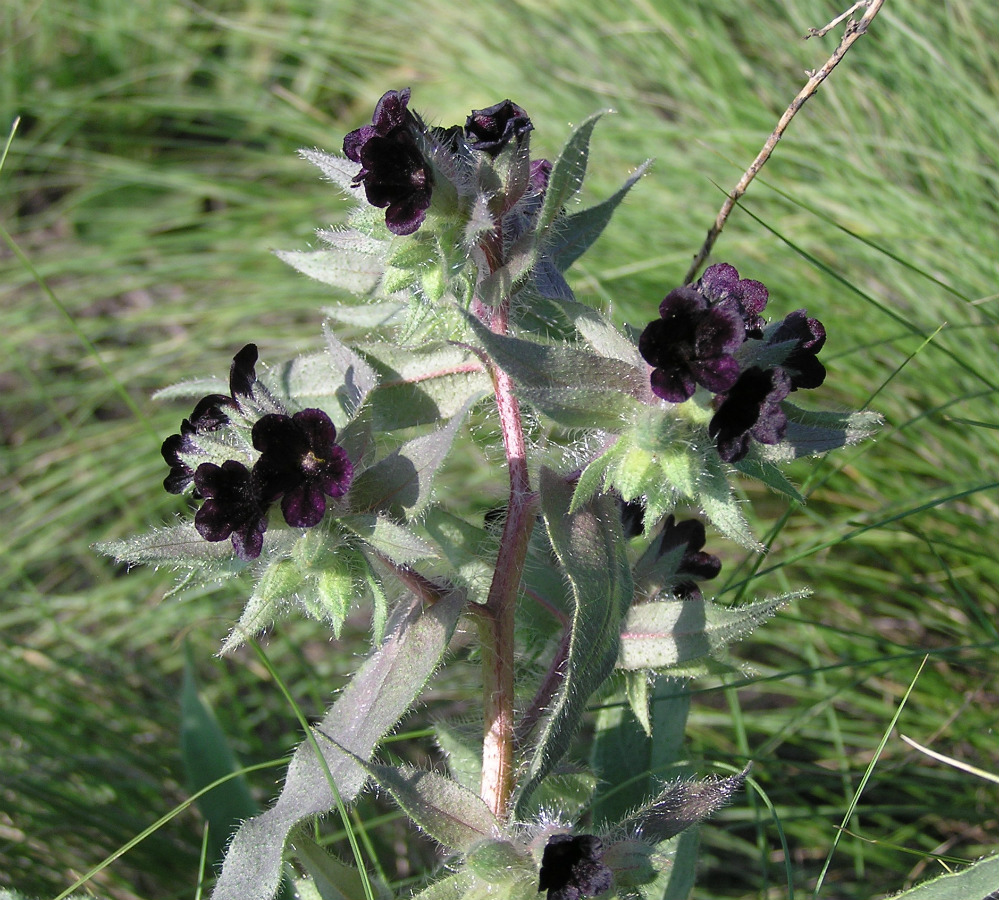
{"x": 854, "y": 29}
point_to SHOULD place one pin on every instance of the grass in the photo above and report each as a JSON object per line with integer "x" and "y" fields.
{"x": 153, "y": 171}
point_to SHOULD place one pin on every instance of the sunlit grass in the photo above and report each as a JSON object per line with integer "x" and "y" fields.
{"x": 155, "y": 169}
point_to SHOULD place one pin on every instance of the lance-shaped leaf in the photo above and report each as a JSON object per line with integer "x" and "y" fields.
{"x": 770, "y": 475}
{"x": 273, "y": 590}
{"x": 424, "y": 385}
{"x": 378, "y": 695}
{"x": 573, "y": 387}
{"x": 568, "y": 172}
{"x": 177, "y": 547}
{"x": 571, "y": 236}
{"x": 330, "y": 879}
{"x": 668, "y": 633}
{"x": 590, "y": 547}
{"x": 601, "y": 334}
{"x": 338, "y": 169}
{"x": 809, "y": 433}
{"x": 400, "y": 484}
{"x": 390, "y": 538}
{"x": 680, "y": 805}
{"x": 452, "y": 815}
{"x": 721, "y": 506}
{"x": 351, "y": 271}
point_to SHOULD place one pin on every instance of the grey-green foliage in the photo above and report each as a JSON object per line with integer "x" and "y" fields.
{"x": 471, "y": 283}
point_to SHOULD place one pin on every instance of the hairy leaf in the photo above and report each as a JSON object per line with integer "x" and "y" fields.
{"x": 590, "y": 547}
{"x": 400, "y": 484}
{"x": 452, "y": 815}
{"x": 680, "y": 805}
{"x": 571, "y": 236}
{"x": 354, "y": 271}
{"x": 568, "y": 172}
{"x": 978, "y": 880}
{"x": 338, "y": 169}
{"x": 423, "y": 385}
{"x": 379, "y": 694}
{"x": 666, "y": 633}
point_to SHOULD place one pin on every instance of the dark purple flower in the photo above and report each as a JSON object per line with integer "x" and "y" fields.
{"x": 802, "y": 363}
{"x": 300, "y": 462}
{"x": 395, "y": 175}
{"x": 571, "y": 867}
{"x": 233, "y": 507}
{"x": 691, "y": 343}
{"x": 209, "y": 415}
{"x": 751, "y": 409}
{"x": 721, "y": 285}
{"x": 491, "y": 129}
{"x": 690, "y": 535}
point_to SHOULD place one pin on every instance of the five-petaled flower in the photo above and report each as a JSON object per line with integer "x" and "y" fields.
{"x": 689, "y": 535}
{"x": 751, "y": 409}
{"x": 233, "y": 507}
{"x": 300, "y": 462}
{"x": 394, "y": 172}
{"x": 209, "y": 415}
{"x": 491, "y": 129}
{"x": 572, "y": 867}
{"x": 691, "y": 343}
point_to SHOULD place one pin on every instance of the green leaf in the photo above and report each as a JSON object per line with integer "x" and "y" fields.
{"x": 452, "y": 815}
{"x": 207, "y": 757}
{"x": 720, "y": 504}
{"x": 467, "y": 548}
{"x": 378, "y": 695}
{"x": 770, "y": 475}
{"x": 567, "y": 174}
{"x": 500, "y": 861}
{"x": 571, "y": 236}
{"x": 422, "y": 386}
{"x": 279, "y": 582}
{"x": 331, "y": 879}
{"x": 393, "y": 540}
{"x": 978, "y": 880}
{"x": 600, "y": 333}
{"x": 681, "y": 804}
{"x": 338, "y": 169}
{"x": 591, "y": 550}
{"x": 573, "y": 387}
{"x": 354, "y": 271}
{"x": 666, "y": 633}
{"x": 562, "y": 795}
{"x": 177, "y": 547}
{"x": 461, "y": 747}
{"x": 809, "y": 433}
{"x": 400, "y": 484}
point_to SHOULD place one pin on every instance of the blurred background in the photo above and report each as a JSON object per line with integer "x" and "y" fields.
{"x": 154, "y": 170}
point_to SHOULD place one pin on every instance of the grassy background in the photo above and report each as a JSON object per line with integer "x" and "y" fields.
{"x": 153, "y": 171}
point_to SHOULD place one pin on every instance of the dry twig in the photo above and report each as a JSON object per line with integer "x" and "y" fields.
{"x": 854, "y": 30}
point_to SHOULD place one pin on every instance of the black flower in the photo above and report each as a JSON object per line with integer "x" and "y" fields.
{"x": 395, "y": 174}
{"x": 721, "y": 285}
{"x": 571, "y": 867}
{"x": 802, "y": 362}
{"x": 690, "y": 535}
{"x": 300, "y": 462}
{"x": 233, "y": 507}
{"x": 491, "y": 129}
{"x": 751, "y": 409}
{"x": 209, "y": 415}
{"x": 691, "y": 343}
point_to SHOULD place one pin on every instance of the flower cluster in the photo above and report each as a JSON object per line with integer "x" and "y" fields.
{"x": 712, "y": 334}
{"x": 572, "y": 867}
{"x": 397, "y": 152}
{"x": 298, "y": 463}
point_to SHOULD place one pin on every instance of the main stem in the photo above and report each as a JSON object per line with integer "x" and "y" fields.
{"x": 497, "y": 626}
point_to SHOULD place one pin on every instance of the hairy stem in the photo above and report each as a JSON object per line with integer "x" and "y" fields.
{"x": 497, "y": 627}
